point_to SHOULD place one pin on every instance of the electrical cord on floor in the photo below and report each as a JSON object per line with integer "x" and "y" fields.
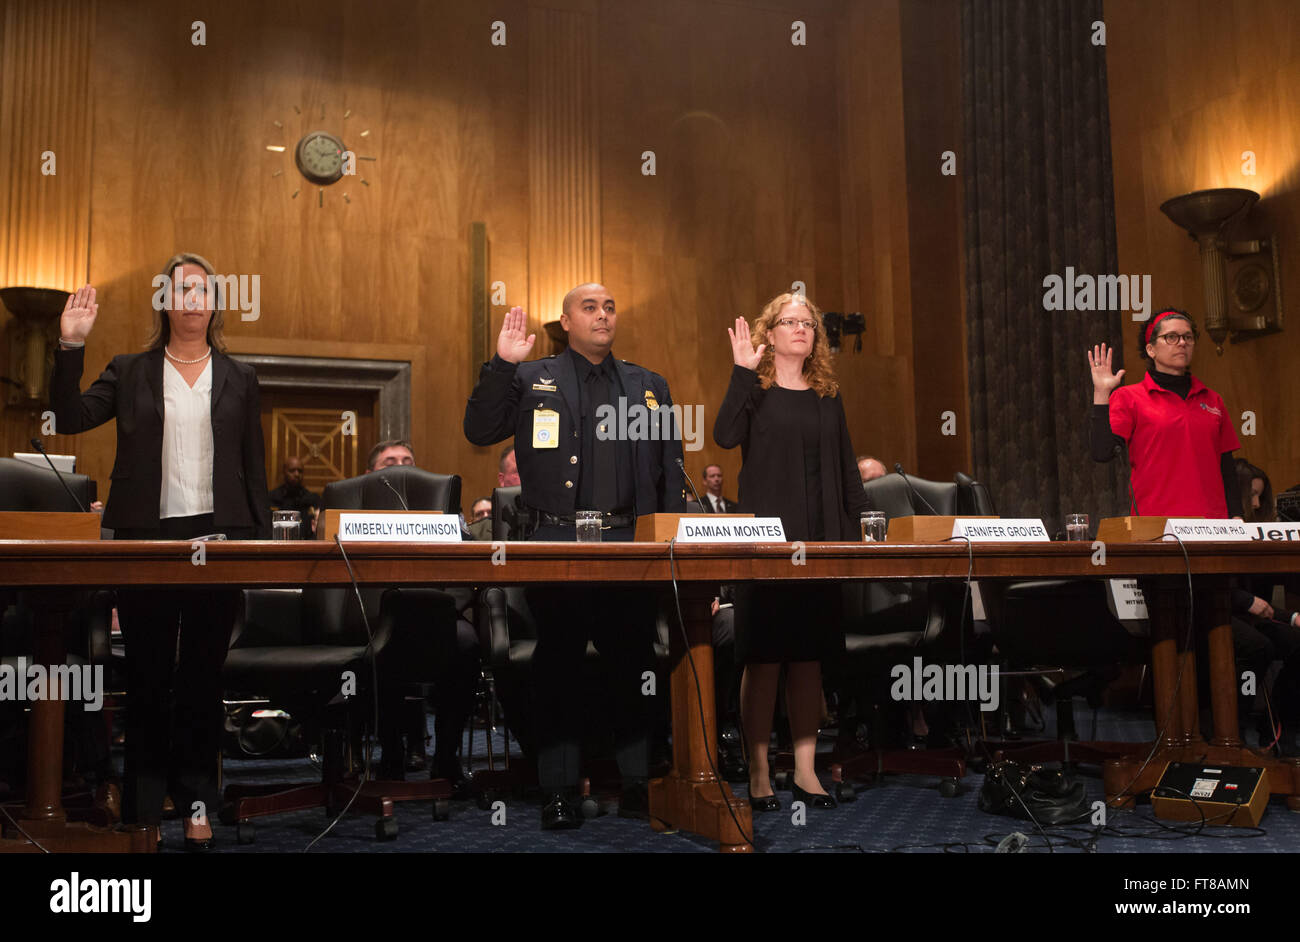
{"x": 374, "y": 668}
{"x": 1178, "y": 682}
{"x": 19, "y": 828}
{"x": 704, "y": 728}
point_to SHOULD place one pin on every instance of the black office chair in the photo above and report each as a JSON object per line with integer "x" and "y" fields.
{"x": 294, "y": 647}
{"x": 87, "y": 627}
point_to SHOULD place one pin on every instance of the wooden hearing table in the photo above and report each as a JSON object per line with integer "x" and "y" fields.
{"x": 689, "y": 797}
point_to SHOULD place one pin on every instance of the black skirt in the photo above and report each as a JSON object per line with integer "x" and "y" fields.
{"x": 778, "y": 623}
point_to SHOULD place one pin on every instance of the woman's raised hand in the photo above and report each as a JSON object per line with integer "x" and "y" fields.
{"x": 78, "y": 315}
{"x": 1104, "y": 381}
{"x": 742, "y": 348}
{"x": 513, "y": 343}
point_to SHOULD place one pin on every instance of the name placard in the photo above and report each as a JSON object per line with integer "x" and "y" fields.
{"x": 707, "y": 528}
{"x": 1198, "y": 530}
{"x": 376, "y": 527}
{"x": 1274, "y": 531}
{"x": 1013, "y": 530}
{"x": 1130, "y": 604}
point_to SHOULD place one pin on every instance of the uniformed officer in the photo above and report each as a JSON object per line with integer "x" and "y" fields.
{"x": 577, "y": 450}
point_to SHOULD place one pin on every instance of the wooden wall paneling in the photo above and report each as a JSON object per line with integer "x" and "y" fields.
{"x": 563, "y": 159}
{"x": 1192, "y": 86}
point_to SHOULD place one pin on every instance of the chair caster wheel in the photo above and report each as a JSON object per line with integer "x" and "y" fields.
{"x": 483, "y": 802}
{"x": 783, "y": 780}
{"x": 948, "y": 787}
{"x": 386, "y": 829}
{"x": 245, "y": 832}
{"x": 589, "y": 809}
{"x": 845, "y": 791}
{"x": 441, "y": 809}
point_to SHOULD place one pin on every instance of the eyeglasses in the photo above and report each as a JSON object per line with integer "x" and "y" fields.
{"x": 1171, "y": 338}
{"x": 792, "y": 323}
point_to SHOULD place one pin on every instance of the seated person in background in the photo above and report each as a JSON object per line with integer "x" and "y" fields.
{"x": 390, "y": 453}
{"x": 291, "y": 495}
{"x": 455, "y": 677}
{"x": 713, "y": 501}
{"x": 480, "y": 526}
{"x": 870, "y": 468}
{"x": 1261, "y": 635}
{"x": 507, "y": 476}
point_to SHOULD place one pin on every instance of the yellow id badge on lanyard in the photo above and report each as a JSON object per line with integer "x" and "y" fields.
{"x": 546, "y": 428}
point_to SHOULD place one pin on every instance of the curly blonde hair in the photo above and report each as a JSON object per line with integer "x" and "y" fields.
{"x": 817, "y": 368}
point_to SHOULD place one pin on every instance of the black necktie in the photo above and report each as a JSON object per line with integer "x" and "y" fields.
{"x": 604, "y": 487}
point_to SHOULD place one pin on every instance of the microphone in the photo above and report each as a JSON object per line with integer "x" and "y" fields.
{"x": 898, "y": 469}
{"x": 689, "y": 483}
{"x": 388, "y": 484}
{"x": 36, "y": 443}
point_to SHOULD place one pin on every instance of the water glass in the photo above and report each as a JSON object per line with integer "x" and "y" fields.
{"x": 874, "y": 525}
{"x": 588, "y": 524}
{"x": 1076, "y": 528}
{"x": 286, "y": 524}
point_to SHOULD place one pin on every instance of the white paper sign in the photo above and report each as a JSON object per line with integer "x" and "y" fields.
{"x": 1274, "y": 531}
{"x": 399, "y": 528}
{"x": 1130, "y": 605}
{"x": 1013, "y": 530}
{"x": 1193, "y": 530}
{"x": 708, "y": 528}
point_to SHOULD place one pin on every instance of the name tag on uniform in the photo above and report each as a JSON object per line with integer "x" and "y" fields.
{"x": 543, "y": 387}
{"x": 546, "y": 428}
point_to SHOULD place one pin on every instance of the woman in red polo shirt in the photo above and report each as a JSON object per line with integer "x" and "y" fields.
{"x": 1178, "y": 431}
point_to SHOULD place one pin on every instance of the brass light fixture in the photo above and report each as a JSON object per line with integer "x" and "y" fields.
{"x": 34, "y": 332}
{"x": 1243, "y": 296}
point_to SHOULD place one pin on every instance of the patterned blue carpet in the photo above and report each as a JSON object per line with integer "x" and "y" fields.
{"x": 905, "y": 812}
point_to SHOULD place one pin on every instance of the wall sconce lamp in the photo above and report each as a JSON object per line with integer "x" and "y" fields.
{"x": 32, "y": 335}
{"x": 1243, "y": 290}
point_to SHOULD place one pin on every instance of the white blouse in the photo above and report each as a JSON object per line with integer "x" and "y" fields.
{"x": 187, "y": 444}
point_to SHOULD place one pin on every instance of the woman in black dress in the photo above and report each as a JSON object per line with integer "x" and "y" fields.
{"x": 784, "y": 411}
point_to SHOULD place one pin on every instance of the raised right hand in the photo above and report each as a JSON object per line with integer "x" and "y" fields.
{"x": 1104, "y": 381}
{"x": 512, "y": 345}
{"x": 742, "y": 347}
{"x": 78, "y": 315}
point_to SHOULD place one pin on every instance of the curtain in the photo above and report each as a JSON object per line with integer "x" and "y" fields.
{"x": 1038, "y": 200}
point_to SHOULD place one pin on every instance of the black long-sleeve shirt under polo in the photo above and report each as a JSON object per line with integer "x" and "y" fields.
{"x": 606, "y": 479}
{"x": 1106, "y": 444}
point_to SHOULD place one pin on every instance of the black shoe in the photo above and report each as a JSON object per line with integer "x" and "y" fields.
{"x": 766, "y": 803}
{"x": 809, "y": 799}
{"x": 733, "y": 768}
{"x": 198, "y": 845}
{"x": 559, "y": 815}
{"x": 455, "y": 776}
{"x": 635, "y": 801}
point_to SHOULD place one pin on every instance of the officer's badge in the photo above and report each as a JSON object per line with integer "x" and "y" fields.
{"x": 650, "y": 401}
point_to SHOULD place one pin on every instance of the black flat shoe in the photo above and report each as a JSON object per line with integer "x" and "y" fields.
{"x": 809, "y": 799}
{"x": 199, "y": 845}
{"x": 766, "y": 803}
{"x": 559, "y": 815}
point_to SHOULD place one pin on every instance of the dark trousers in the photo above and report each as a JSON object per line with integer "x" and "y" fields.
{"x": 176, "y": 642}
{"x": 620, "y": 622}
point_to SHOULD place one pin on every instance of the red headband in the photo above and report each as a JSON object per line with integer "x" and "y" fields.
{"x": 1159, "y": 317}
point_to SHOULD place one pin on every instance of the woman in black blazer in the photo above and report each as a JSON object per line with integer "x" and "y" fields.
{"x": 190, "y": 462}
{"x": 784, "y": 411}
